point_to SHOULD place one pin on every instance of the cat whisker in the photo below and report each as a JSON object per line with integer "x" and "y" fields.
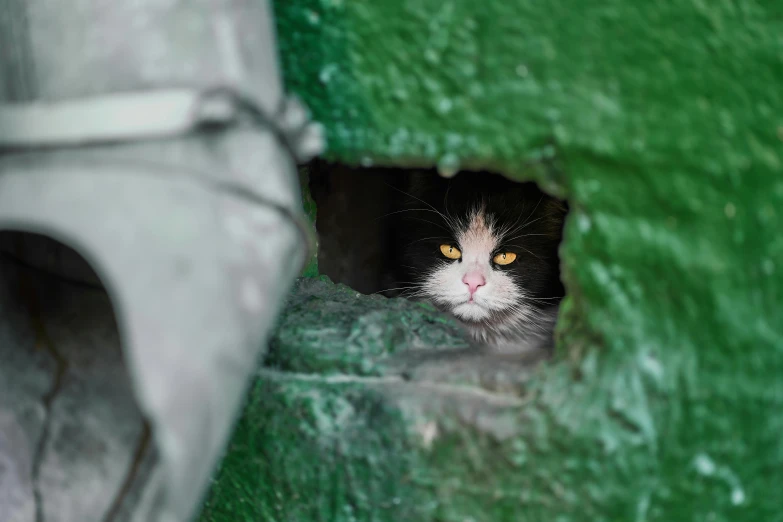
{"x": 432, "y": 223}
{"x": 427, "y": 238}
{"x": 524, "y": 235}
{"x": 408, "y": 210}
{"x": 513, "y": 228}
{"x": 445, "y": 218}
{"x": 530, "y": 252}
{"x": 393, "y": 289}
{"x": 525, "y": 226}
{"x": 445, "y": 204}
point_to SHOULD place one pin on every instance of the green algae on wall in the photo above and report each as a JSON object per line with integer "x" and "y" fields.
{"x": 353, "y": 418}
{"x": 363, "y": 333}
{"x": 666, "y": 119}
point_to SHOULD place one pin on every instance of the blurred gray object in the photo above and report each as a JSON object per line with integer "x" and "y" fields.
{"x": 146, "y": 146}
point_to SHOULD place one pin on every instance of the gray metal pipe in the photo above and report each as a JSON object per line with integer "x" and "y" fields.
{"x": 191, "y": 217}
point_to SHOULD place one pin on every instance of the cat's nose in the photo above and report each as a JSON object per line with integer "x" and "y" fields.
{"x": 474, "y": 280}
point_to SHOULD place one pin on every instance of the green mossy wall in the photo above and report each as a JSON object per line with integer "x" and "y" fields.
{"x": 665, "y": 400}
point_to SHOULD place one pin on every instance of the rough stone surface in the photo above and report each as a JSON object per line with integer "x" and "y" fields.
{"x": 331, "y": 331}
{"x": 368, "y": 330}
{"x": 363, "y": 411}
{"x": 70, "y": 428}
{"x": 664, "y": 399}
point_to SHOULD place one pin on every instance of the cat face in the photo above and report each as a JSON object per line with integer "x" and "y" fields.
{"x": 472, "y": 276}
{"x": 485, "y": 250}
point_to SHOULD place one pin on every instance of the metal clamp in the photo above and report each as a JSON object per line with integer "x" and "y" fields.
{"x": 155, "y": 114}
{"x": 158, "y": 114}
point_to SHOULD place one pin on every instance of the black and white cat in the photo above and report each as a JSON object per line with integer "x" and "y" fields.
{"x": 484, "y": 249}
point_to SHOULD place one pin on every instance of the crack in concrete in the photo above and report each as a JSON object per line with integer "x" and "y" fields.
{"x": 43, "y": 341}
{"x": 47, "y": 400}
{"x": 499, "y": 399}
{"x": 130, "y": 476}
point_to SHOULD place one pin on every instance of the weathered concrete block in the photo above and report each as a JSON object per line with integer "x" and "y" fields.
{"x": 663, "y": 401}
{"x": 365, "y": 410}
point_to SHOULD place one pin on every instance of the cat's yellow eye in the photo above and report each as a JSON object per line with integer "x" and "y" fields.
{"x": 451, "y": 252}
{"x": 506, "y": 258}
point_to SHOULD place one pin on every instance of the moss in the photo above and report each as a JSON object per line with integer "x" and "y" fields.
{"x": 665, "y": 121}
{"x": 317, "y": 455}
{"x": 327, "y": 329}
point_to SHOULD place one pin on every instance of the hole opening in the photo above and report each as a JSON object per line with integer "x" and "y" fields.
{"x": 478, "y": 246}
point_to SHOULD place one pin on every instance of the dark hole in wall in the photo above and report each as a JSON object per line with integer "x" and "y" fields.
{"x": 361, "y": 221}
{"x": 353, "y": 205}
{"x": 61, "y": 355}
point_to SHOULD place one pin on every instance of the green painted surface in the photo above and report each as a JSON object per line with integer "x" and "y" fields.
{"x": 665, "y": 399}
{"x": 354, "y": 418}
{"x": 368, "y": 334}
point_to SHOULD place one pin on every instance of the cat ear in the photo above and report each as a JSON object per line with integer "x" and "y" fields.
{"x": 554, "y": 217}
{"x": 557, "y": 207}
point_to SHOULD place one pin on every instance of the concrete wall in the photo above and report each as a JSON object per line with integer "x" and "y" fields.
{"x": 666, "y": 122}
